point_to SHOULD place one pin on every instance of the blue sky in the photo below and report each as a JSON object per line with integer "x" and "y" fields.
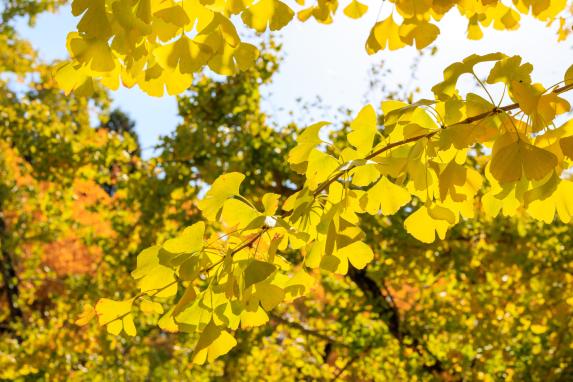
{"x": 330, "y": 61}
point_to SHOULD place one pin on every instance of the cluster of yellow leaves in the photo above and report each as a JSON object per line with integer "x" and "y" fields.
{"x": 419, "y": 160}
{"x": 159, "y": 44}
{"x": 146, "y": 42}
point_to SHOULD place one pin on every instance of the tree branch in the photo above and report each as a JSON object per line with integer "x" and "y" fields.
{"x": 388, "y": 313}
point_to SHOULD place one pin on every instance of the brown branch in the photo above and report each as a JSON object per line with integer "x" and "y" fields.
{"x": 391, "y": 317}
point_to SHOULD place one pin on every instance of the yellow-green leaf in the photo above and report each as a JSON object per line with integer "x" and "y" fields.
{"x": 224, "y": 187}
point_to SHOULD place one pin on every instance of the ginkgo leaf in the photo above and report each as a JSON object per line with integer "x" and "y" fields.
{"x": 305, "y": 143}
{"x": 115, "y": 315}
{"x": 363, "y": 130}
{"x": 387, "y": 197}
{"x": 453, "y": 179}
{"x": 128, "y": 325}
{"x": 190, "y": 240}
{"x": 186, "y": 300}
{"x": 169, "y": 21}
{"x": 542, "y": 107}
{"x": 423, "y": 32}
{"x": 94, "y": 22}
{"x": 273, "y": 14}
{"x": 185, "y": 54}
{"x": 237, "y": 214}
{"x": 355, "y": 9}
{"x": 213, "y": 343}
{"x": 227, "y": 6}
{"x": 148, "y": 306}
{"x": 384, "y": 34}
{"x": 517, "y": 159}
{"x": 510, "y": 69}
{"x": 154, "y": 278}
{"x": 155, "y": 80}
{"x": 86, "y": 316}
{"x": 257, "y": 271}
{"x": 253, "y": 319}
{"x": 358, "y": 253}
{"x": 270, "y": 203}
{"x": 568, "y": 78}
{"x": 421, "y": 225}
{"x": 199, "y": 15}
{"x": 447, "y": 88}
{"x": 224, "y": 187}
{"x": 560, "y": 201}
{"x": 94, "y": 53}
{"x": 130, "y": 21}
{"x": 413, "y": 8}
{"x": 71, "y": 78}
{"x": 167, "y": 322}
{"x": 230, "y": 60}
{"x": 320, "y": 166}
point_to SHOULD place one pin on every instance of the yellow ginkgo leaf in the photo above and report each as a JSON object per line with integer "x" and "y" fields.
{"x": 447, "y": 88}
{"x": 384, "y": 34}
{"x": 252, "y": 319}
{"x": 355, "y": 9}
{"x": 413, "y": 8}
{"x": 521, "y": 159}
{"x": 167, "y": 322}
{"x": 230, "y": 60}
{"x": 169, "y": 21}
{"x": 273, "y": 14}
{"x": 87, "y": 314}
{"x": 387, "y": 197}
{"x": 320, "y": 166}
{"x": 421, "y": 225}
{"x": 510, "y": 69}
{"x": 363, "y": 130}
{"x": 94, "y": 22}
{"x": 154, "y": 278}
{"x": 213, "y": 343}
{"x": 128, "y": 325}
{"x": 560, "y": 201}
{"x": 185, "y": 54}
{"x": 148, "y": 306}
{"x": 474, "y": 31}
{"x": 568, "y": 78}
{"x": 94, "y": 53}
{"x": 224, "y": 187}
{"x": 270, "y": 203}
{"x": 190, "y": 240}
{"x": 155, "y": 80}
{"x": 111, "y": 314}
{"x": 542, "y": 107}
{"x": 73, "y": 78}
{"x": 199, "y": 15}
{"x": 358, "y": 254}
{"x": 240, "y": 215}
{"x": 423, "y": 32}
{"x": 305, "y": 143}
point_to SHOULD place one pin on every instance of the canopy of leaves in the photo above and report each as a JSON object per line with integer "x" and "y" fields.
{"x": 159, "y": 45}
